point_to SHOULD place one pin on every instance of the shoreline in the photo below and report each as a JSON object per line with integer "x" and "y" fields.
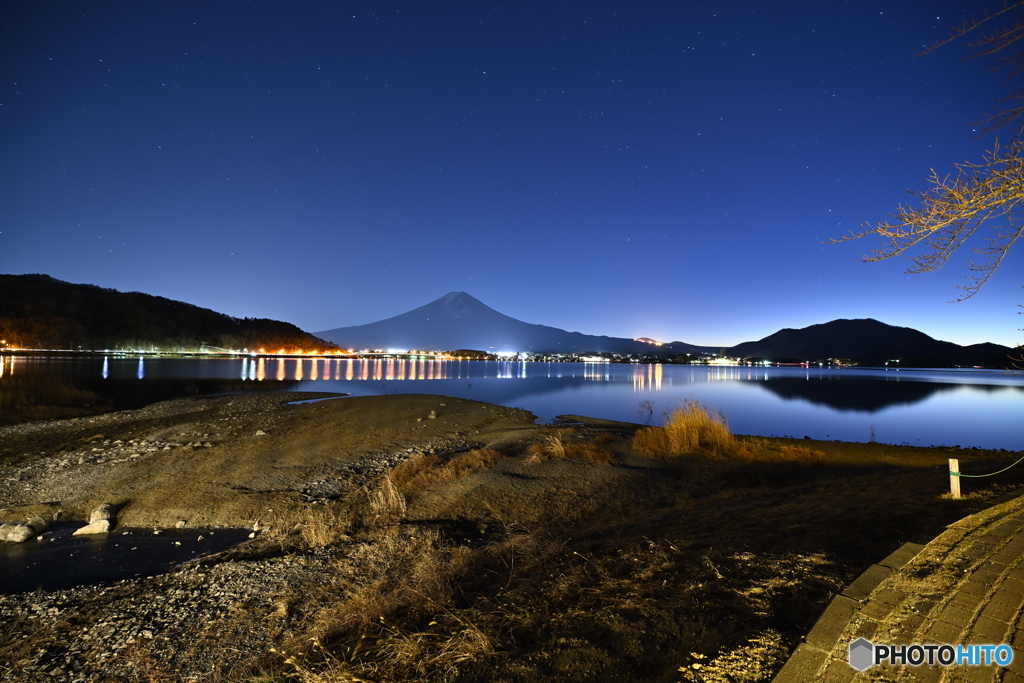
{"x": 556, "y": 558}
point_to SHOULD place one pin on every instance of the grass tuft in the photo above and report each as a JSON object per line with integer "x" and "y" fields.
{"x": 320, "y": 528}
{"x": 426, "y": 470}
{"x": 387, "y": 504}
{"x": 690, "y": 428}
{"x": 557, "y": 447}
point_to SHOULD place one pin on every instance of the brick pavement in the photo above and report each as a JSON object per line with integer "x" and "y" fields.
{"x": 965, "y": 587}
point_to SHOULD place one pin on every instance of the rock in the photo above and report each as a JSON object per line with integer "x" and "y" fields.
{"x": 38, "y": 524}
{"x": 180, "y": 524}
{"x": 103, "y": 512}
{"x": 100, "y": 520}
{"x": 101, "y": 526}
{"x": 433, "y": 415}
{"x": 18, "y": 532}
{"x": 260, "y": 432}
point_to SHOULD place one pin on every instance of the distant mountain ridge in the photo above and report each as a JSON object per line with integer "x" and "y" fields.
{"x": 869, "y": 342}
{"x": 38, "y": 311}
{"x": 460, "y": 321}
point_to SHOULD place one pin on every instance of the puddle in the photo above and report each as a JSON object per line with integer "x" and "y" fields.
{"x": 61, "y": 560}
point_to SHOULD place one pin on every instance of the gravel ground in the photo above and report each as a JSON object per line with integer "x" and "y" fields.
{"x": 233, "y": 461}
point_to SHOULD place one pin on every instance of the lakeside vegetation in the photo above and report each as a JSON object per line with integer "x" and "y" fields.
{"x": 703, "y": 564}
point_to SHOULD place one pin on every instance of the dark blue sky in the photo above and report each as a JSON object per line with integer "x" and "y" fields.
{"x": 662, "y": 169}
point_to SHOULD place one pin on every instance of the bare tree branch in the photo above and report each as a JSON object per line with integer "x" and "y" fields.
{"x": 983, "y": 200}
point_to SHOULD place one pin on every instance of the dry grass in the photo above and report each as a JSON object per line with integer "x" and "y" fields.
{"x": 387, "y": 504}
{"x": 410, "y": 606}
{"x": 690, "y": 428}
{"x": 323, "y": 527}
{"x": 652, "y": 442}
{"x": 426, "y": 470}
{"x": 590, "y": 451}
{"x": 804, "y": 454}
{"x": 694, "y": 428}
{"x": 396, "y": 619}
{"x": 596, "y": 590}
{"x": 557, "y": 447}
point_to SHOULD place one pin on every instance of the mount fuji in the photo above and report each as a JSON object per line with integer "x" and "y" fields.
{"x": 460, "y": 321}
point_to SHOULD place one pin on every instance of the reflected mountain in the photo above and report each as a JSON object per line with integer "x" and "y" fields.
{"x": 127, "y": 393}
{"x": 22, "y": 394}
{"x": 855, "y": 394}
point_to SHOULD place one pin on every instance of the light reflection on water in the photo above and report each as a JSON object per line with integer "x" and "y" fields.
{"x": 920, "y": 407}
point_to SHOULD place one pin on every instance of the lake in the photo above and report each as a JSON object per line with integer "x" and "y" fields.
{"x": 964, "y": 407}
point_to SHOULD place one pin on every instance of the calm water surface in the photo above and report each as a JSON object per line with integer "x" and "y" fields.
{"x": 917, "y": 407}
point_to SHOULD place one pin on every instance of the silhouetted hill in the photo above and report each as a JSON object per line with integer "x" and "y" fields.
{"x": 38, "y": 311}
{"x": 870, "y": 342}
{"x": 459, "y": 321}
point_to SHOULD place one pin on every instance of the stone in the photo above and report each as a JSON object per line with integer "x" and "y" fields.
{"x": 38, "y": 524}
{"x": 104, "y": 512}
{"x": 101, "y": 526}
{"x": 100, "y": 520}
{"x": 17, "y": 532}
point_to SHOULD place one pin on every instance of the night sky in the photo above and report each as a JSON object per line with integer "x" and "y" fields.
{"x": 659, "y": 169}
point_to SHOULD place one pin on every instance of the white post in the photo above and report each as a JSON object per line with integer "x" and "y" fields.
{"x": 954, "y": 477}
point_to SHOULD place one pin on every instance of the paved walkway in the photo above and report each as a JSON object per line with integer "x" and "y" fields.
{"x": 965, "y": 587}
